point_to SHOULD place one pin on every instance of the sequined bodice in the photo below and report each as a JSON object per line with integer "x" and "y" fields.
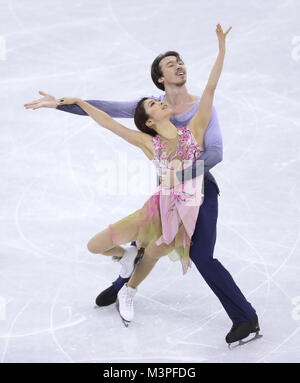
{"x": 187, "y": 148}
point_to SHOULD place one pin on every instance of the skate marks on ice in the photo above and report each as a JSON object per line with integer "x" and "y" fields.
{"x": 17, "y": 332}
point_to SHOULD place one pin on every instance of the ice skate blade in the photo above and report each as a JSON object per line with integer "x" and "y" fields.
{"x": 242, "y": 342}
{"x": 125, "y": 322}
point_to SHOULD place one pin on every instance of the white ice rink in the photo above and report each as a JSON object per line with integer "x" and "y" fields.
{"x": 51, "y": 179}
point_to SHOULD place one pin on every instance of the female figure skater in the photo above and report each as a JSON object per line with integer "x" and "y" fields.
{"x": 167, "y": 220}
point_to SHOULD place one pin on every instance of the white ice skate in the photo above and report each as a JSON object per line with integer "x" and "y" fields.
{"x": 125, "y": 303}
{"x": 127, "y": 261}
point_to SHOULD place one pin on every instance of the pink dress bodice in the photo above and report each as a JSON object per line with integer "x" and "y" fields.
{"x": 187, "y": 149}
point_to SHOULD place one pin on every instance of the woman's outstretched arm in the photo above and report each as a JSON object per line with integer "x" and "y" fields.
{"x": 199, "y": 122}
{"x": 140, "y": 139}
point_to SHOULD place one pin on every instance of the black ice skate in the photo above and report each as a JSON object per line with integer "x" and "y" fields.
{"x": 107, "y": 297}
{"x": 241, "y": 331}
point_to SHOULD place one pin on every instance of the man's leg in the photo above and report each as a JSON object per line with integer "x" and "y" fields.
{"x": 214, "y": 273}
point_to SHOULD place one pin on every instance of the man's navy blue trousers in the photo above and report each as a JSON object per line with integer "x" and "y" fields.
{"x": 213, "y": 272}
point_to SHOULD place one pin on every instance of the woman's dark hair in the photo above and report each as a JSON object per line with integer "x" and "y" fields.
{"x": 156, "y": 71}
{"x": 141, "y": 117}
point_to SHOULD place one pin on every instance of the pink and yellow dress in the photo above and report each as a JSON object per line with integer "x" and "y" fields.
{"x": 166, "y": 222}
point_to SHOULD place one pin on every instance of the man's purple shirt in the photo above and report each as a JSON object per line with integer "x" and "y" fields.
{"x": 213, "y": 145}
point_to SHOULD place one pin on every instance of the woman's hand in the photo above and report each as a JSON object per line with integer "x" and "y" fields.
{"x": 222, "y": 36}
{"x": 68, "y": 100}
{"x": 47, "y": 101}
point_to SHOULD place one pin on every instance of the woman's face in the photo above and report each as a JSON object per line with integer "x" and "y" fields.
{"x": 157, "y": 110}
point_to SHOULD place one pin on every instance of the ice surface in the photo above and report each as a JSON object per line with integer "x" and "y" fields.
{"x": 51, "y": 179}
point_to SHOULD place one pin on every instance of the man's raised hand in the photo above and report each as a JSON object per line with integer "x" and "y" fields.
{"x": 47, "y": 101}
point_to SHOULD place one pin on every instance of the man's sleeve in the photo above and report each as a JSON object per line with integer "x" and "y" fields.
{"x": 121, "y": 109}
{"x": 213, "y": 152}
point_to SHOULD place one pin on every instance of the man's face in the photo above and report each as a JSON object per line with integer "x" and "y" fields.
{"x": 173, "y": 70}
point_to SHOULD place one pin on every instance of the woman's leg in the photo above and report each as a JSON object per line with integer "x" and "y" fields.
{"x": 102, "y": 243}
{"x": 152, "y": 254}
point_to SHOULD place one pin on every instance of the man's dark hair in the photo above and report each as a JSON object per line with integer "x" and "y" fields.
{"x": 141, "y": 117}
{"x": 156, "y": 72}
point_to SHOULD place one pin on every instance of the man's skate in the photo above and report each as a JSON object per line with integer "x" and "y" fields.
{"x": 240, "y": 331}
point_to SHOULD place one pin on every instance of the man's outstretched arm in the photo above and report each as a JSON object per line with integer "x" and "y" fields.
{"x": 121, "y": 109}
